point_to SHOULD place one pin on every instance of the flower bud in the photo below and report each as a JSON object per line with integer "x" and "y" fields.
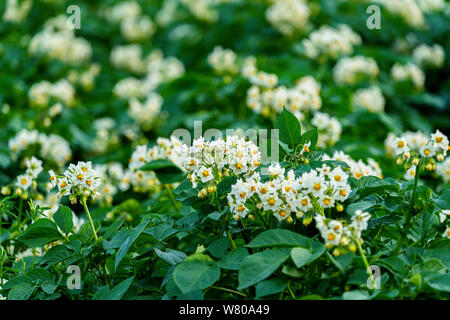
{"x": 352, "y": 248}
{"x": 339, "y": 208}
{"x": 6, "y": 191}
{"x": 251, "y": 217}
{"x": 299, "y": 214}
{"x": 399, "y": 161}
{"x": 336, "y": 252}
{"x": 440, "y": 157}
{"x": 236, "y": 217}
{"x": 289, "y": 219}
{"x": 415, "y": 161}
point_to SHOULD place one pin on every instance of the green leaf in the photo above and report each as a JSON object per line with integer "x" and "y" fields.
{"x": 302, "y": 256}
{"x": 63, "y": 218}
{"x": 342, "y": 261}
{"x": 356, "y": 295}
{"x": 261, "y": 265}
{"x": 22, "y": 291}
{"x": 40, "y": 233}
{"x": 312, "y": 136}
{"x": 115, "y": 293}
{"x": 165, "y": 170}
{"x": 443, "y": 201}
{"x": 56, "y": 254}
{"x": 270, "y": 286}
{"x": 280, "y": 238}
{"x": 439, "y": 282}
{"x": 195, "y": 275}
{"x": 368, "y": 185}
{"x": 233, "y": 259}
{"x": 129, "y": 241}
{"x": 172, "y": 257}
{"x": 290, "y": 130}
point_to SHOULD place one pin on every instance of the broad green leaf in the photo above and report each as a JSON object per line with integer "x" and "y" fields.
{"x": 195, "y": 275}
{"x": 310, "y": 136}
{"x": 440, "y": 282}
{"x": 165, "y": 170}
{"x": 289, "y": 128}
{"x": 270, "y": 286}
{"x": 261, "y": 265}
{"x": 280, "y": 238}
{"x": 233, "y": 259}
{"x": 63, "y": 218}
{"x": 115, "y": 293}
{"x": 21, "y": 291}
{"x": 302, "y": 256}
{"x": 172, "y": 257}
{"x": 129, "y": 241}
{"x": 41, "y": 232}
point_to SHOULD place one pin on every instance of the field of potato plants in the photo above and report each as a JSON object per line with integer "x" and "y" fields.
{"x": 224, "y": 150}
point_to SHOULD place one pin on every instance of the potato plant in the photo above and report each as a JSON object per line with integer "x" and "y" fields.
{"x": 224, "y": 150}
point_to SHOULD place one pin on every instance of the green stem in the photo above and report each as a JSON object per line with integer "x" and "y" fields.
{"x": 216, "y": 197}
{"x": 233, "y": 245}
{"x": 83, "y": 201}
{"x": 408, "y": 214}
{"x": 172, "y": 198}
{"x": 229, "y": 290}
{"x": 290, "y": 291}
{"x": 364, "y": 259}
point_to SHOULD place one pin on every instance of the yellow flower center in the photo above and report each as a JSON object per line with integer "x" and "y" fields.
{"x": 439, "y": 139}
{"x": 282, "y": 213}
{"x": 243, "y": 194}
{"x": 400, "y": 144}
{"x": 205, "y": 173}
{"x": 317, "y": 186}
{"x": 23, "y": 181}
{"x": 331, "y": 237}
{"x": 343, "y": 193}
{"x": 326, "y": 201}
{"x": 80, "y": 177}
{"x": 63, "y": 184}
{"x": 304, "y": 202}
{"x": 337, "y": 177}
{"x": 271, "y": 201}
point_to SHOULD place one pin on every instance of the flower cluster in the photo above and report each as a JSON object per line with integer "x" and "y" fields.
{"x": 358, "y": 169}
{"x": 257, "y": 77}
{"x": 283, "y": 195}
{"x": 223, "y": 61}
{"x": 52, "y": 147}
{"x": 133, "y": 25}
{"x": 79, "y": 180}
{"x": 112, "y": 174}
{"x": 85, "y": 78}
{"x": 105, "y": 135}
{"x": 25, "y": 181}
{"x": 303, "y": 97}
{"x": 415, "y": 149}
{"x": 143, "y": 181}
{"x": 288, "y": 16}
{"x": 432, "y": 56}
{"x": 145, "y": 113}
{"x": 350, "y": 70}
{"x": 341, "y": 235}
{"x": 408, "y": 10}
{"x": 202, "y": 9}
{"x": 208, "y": 161}
{"x": 409, "y": 72}
{"x": 16, "y": 11}
{"x": 57, "y": 41}
{"x": 328, "y": 42}
{"x": 156, "y": 68}
{"x": 370, "y": 99}
{"x": 43, "y": 92}
{"x": 443, "y": 170}
{"x": 444, "y": 217}
{"x": 329, "y": 129}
